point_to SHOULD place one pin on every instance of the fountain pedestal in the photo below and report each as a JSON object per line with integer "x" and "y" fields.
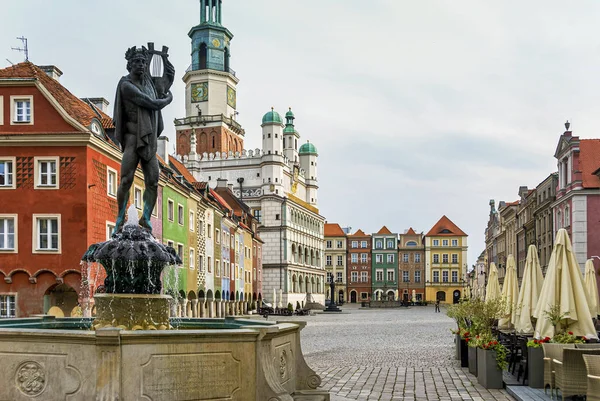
{"x": 132, "y": 311}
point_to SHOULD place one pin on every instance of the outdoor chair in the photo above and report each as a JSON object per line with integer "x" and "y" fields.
{"x": 570, "y": 374}
{"x": 552, "y": 351}
{"x": 523, "y": 359}
{"x": 592, "y": 362}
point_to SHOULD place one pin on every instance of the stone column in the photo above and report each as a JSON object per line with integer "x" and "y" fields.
{"x": 245, "y": 308}
{"x": 224, "y": 311}
{"x": 194, "y": 308}
{"x": 86, "y": 308}
{"x": 209, "y": 307}
{"x": 201, "y": 308}
{"x": 217, "y": 308}
{"x": 184, "y": 303}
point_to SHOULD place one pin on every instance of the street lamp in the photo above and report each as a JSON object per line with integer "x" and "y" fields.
{"x": 407, "y": 281}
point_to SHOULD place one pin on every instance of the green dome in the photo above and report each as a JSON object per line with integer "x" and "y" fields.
{"x": 308, "y": 149}
{"x": 272, "y": 117}
{"x": 289, "y": 114}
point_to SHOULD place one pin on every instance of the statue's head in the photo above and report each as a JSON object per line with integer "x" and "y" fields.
{"x": 135, "y": 54}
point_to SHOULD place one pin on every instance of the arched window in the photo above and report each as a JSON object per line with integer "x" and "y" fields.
{"x": 213, "y": 141}
{"x": 567, "y": 217}
{"x": 203, "y": 55}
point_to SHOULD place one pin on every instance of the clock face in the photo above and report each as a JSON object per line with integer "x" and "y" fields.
{"x": 216, "y": 42}
{"x": 231, "y": 97}
{"x": 199, "y": 92}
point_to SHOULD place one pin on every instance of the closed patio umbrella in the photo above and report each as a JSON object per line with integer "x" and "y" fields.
{"x": 414, "y": 296}
{"x": 492, "y": 290}
{"x": 531, "y": 287}
{"x": 510, "y": 294}
{"x": 274, "y": 298}
{"x": 591, "y": 286}
{"x": 563, "y": 287}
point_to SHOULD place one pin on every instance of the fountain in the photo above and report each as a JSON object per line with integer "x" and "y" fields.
{"x": 132, "y": 350}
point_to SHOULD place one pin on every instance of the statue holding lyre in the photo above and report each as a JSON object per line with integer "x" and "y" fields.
{"x": 141, "y": 95}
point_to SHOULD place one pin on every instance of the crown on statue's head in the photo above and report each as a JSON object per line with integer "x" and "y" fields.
{"x": 134, "y": 51}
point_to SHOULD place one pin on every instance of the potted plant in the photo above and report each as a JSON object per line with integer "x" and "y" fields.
{"x": 535, "y": 362}
{"x": 491, "y": 361}
{"x": 460, "y": 312}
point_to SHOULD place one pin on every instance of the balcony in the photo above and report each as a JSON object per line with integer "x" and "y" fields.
{"x": 203, "y": 120}
{"x": 197, "y": 66}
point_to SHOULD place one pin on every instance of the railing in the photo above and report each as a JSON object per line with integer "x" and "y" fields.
{"x": 197, "y": 120}
{"x": 197, "y": 66}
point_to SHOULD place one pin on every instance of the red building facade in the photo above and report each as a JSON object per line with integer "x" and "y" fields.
{"x": 358, "y": 267}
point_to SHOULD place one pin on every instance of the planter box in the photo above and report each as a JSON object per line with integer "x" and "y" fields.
{"x": 488, "y": 374}
{"x": 472, "y": 360}
{"x": 535, "y": 367}
{"x": 457, "y": 346}
{"x": 464, "y": 354}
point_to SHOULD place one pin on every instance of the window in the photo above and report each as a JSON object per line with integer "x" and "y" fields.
{"x": 192, "y": 260}
{"x": 340, "y": 260}
{"x": 277, "y": 216}
{"x": 7, "y": 306}
{"x": 405, "y": 276}
{"x": 328, "y": 260}
{"x": 22, "y": 107}
{"x": 217, "y": 267}
{"x": 46, "y": 172}
{"x": 329, "y": 277}
{"x": 192, "y": 221}
{"x": 339, "y": 244}
{"x": 354, "y": 277}
{"x": 390, "y": 258}
{"x": 445, "y": 258}
{"x": 419, "y": 297}
{"x": 417, "y": 258}
{"x": 445, "y": 242}
{"x": 364, "y": 277}
{"x": 47, "y": 229}
{"x": 363, "y": 258}
{"x": 454, "y": 258}
{"x": 379, "y": 275}
{"x": 567, "y": 217}
{"x": 7, "y": 173}
{"x": 180, "y": 251}
{"x": 417, "y": 276}
{"x": 379, "y": 245}
{"x": 454, "y": 242}
{"x": 257, "y": 214}
{"x": 436, "y": 258}
{"x": 455, "y": 277}
{"x": 379, "y": 258}
{"x": 170, "y": 243}
{"x": 363, "y": 244}
{"x": 209, "y": 263}
{"x": 354, "y": 244}
{"x": 218, "y": 235}
{"x": 328, "y": 244}
{"x": 390, "y": 244}
{"x": 137, "y": 197}
{"x": 436, "y": 242}
{"x": 180, "y": 214}
{"x": 170, "y": 210}
{"x": 436, "y": 277}
{"x": 390, "y": 275}
{"x": 1, "y": 110}
{"x": 338, "y": 278}
{"x": 110, "y": 230}
{"x": 8, "y": 230}
{"x": 111, "y": 182}
{"x": 445, "y": 276}
{"x": 405, "y": 258}
{"x": 200, "y": 264}
{"x": 354, "y": 257}
{"x": 209, "y": 230}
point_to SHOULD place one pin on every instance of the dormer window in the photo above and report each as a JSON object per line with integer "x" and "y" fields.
{"x": 21, "y": 110}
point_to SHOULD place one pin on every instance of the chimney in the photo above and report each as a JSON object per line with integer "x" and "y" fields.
{"x": 230, "y": 186}
{"x": 162, "y": 148}
{"x": 51, "y": 70}
{"x": 99, "y": 102}
{"x": 221, "y": 183}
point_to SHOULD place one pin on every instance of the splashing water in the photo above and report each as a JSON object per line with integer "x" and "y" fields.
{"x": 132, "y": 216}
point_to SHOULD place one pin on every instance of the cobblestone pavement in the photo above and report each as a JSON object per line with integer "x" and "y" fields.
{"x": 389, "y": 354}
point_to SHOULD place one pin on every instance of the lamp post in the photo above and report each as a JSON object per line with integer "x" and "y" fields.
{"x": 407, "y": 281}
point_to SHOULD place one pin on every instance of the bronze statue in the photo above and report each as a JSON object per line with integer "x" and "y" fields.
{"x": 138, "y": 124}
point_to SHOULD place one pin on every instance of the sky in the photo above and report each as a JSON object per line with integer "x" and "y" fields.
{"x": 418, "y": 109}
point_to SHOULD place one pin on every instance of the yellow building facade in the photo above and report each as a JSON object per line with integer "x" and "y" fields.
{"x": 445, "y": 262}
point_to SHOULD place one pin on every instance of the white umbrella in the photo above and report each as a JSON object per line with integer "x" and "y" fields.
{"x": 274, "y": 305}
{"x": 531, "y": 287}
{"x": 563, "y": 287}
{"x": 510, "y": 293}
{"x": 280, "y": 303}
{"x": 414, "y": 296}
{"x": 591, "y": 286}
{"x": 492, "y": 290}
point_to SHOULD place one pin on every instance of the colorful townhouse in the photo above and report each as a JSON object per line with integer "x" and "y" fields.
{"x": 384, "y": 262}
{"x": 411, "y": 266}
{"x": 445, "y": 262}
{"x": 335, "y": 260}
{"x": 358, "y": 266}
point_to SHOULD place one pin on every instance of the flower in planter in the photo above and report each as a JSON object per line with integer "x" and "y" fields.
{"x": 535, "y": 343}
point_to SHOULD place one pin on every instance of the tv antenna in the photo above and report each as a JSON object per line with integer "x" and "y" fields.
{"x": 23, "y": 49}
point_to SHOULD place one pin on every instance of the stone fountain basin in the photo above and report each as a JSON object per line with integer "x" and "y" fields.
{"x": 206, "y": 359}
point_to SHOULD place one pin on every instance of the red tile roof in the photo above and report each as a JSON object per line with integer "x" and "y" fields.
{"x": 445, "y": 227}
{"x": 333, "y": 230}
{"x": 359, "y": 233}
{"x": 411, "y": 232}
{"x": 200, "y": 185}
{"x": 75, "y": 107}
{"x": 384, "y": 230}
{"x": 589, "y": 162}
{"x": 182, "y": 170}
{"x": 220, "y": 199}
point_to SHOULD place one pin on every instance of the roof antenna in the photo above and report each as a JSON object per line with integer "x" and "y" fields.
{"x": 23, "y": 49}
{"x": 11, "y": 63}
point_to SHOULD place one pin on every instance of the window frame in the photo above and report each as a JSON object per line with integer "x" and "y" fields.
{"x": 182, "y": 254}
{"x": 138, "y": 190}
{"x": 390, "y": 258}
{"x": 436, "y": 258}
{"x": 454, "y": 242}
{"x": 13, "y": 109}
{"x": 436, "y": 276}
{"x": 13, "y": 162}
{"x": 436, "y": 242}
{"x": 354, "y": 257}
{"x": 14, "y": 302}
{"x": 192, "y": 220}
{"x": 111, "y": 171}
{"x": 35, "y": 235}
{"x": 109, "y": 224}
{"x": 364, "y": 244}
{"x": 192, "y": 258}
{"x": 15, "y": 218}
{"x": 37, "y": 171}
{"x": 354, "y": 244}
{"x": 180, "y": 213}
{"x": 377, "y": 273}
{"x": 170, "y": 210}
{"x": 390, "y": 273}
{"x": 379, "y": 258}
